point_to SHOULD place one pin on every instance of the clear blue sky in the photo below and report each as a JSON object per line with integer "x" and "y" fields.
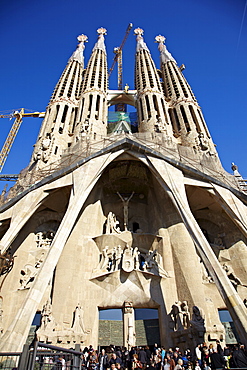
{"x": 209, "y": 36}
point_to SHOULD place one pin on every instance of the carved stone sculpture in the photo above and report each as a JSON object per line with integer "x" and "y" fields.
{"x": 47, "y": 319}
{"x": 129, "y": 324}
{"x": 231, "y": 276}
{"x": 126, "y": 201}
{"x": 44, "y": 238}
{"x": 128, "y": 259}
{"x": 177, "y": 316}
{"x": 203, "y": 141}
{"x": 117, "y": 257}
{"x": 112, "y": 224}
{"x": 78, "y": 324}
{"x": 104, "y": 264}
{"x": 128, "y": 307}
{"x": 136, "y": 257}
{"x": 186, "y": 314}
{"x": 151, "y": 264}
{"x": 27, "y": 276}
{"x": 198, "y": 319}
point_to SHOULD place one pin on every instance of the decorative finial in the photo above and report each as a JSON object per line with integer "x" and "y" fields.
{"x": 164, "y": 53}
{"x": 234, "y": 167}
{"x": 138, "y": 31}
{"x": 160, "y": 39}
{"x": 100, "y": 43}
{"x": 140, "y": 41}
{"x": 82, "y": 38}
{"x": 101, "y": 31}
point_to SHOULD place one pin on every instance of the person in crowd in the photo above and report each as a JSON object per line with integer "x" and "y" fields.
{"x": 103, "y": 360}
{"x": 198, "y": 354}
{"x": 125, "y": 357}
{"x": 136, "y": 363}
{"x": 190, "y": 366}
{"x": 170, "y": 361}
{"x": 197, "y": 366}
{"x": 217, "y": 360}
{"x": 142, "y": 357}
{"x": 239, "y": 356}
{"x": 179, "y": 365}
{"x": 166, "y": 366}
{"x": 205, "y": 355}
{"x": 93, "y": 359}
{"x": 163, "y": 353}
{"x": 219, "y": 348}
{"x": 205, "y": 366}
{"x": 149, "y": 355}
{"x": 114, "y": 359}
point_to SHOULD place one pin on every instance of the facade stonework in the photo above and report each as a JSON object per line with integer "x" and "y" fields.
{"x": 100, "y": 220}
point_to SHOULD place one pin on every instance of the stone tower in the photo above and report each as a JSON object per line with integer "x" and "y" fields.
{"x": 144, "y": 218}
{"x": 60, "y": 118}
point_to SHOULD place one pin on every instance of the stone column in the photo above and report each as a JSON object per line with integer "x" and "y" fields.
{"x": 174, "y": 185}
{"x": 129, "y": 325}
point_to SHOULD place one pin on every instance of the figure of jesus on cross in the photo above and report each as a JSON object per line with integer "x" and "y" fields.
{"x": 125, "y": 201}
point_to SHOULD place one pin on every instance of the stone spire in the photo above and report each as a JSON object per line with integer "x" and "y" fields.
{"x": 78, "y": 54}
{"x": 151, "y": 105}
{"x": 100, "y": 44}
{"x": 92, "y": 113}
{"x": 59, "y": 121}
{"x": 165, "y": 56}
{"x": 187, "y": 120}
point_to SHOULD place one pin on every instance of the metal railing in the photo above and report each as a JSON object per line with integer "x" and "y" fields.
{"x": 42, "y": 357}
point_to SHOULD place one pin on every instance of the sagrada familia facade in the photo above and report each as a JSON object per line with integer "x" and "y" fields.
{"x": 123, "y": 213}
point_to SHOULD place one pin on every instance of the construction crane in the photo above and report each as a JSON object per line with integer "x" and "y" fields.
{"x": 13, "y": 131}
{"x": 118, "y": 58}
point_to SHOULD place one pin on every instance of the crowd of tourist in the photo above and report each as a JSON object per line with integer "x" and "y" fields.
{"x": 203, "y": 357}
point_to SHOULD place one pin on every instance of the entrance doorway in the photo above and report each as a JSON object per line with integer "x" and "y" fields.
{"x": 110, "y": 327}
{"x": 146, "y": 327}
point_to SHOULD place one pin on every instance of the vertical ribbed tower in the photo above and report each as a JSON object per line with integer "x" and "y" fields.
{"x": 185, "y": 113}
{"x": 92, "y": 113}
{"x": 58, "y": 125}
{"x": 151, "y": 106}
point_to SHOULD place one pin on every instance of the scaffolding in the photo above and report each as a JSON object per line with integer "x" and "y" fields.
{"x": 157, "y": 142}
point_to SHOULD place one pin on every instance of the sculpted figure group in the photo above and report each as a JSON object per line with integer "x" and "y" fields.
{"x": 129, "y": 259}
{"x": 30, "y": 270}
{"x": 49, "y": 330}
{"x": 181, "y": 319}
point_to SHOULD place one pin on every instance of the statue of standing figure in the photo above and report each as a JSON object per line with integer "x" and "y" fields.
{"x": 186, "y": 314}
{"x": 177, "y": 316}
{"x": 112, "y": 224}
{"x": 126, "y": 201}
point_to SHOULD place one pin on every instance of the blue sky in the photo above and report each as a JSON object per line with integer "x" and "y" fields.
{"x": 208, "y": 36}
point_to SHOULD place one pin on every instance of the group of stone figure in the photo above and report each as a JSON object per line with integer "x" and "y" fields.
{"x": 181, "y": 319}
{"x": 30, "y": 270}
{"x": 50, "y": 329}
{"x": 129, "y": 259}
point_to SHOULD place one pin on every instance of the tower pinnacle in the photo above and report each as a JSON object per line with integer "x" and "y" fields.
{"x": 140, "y": 41}
{"x": 164, "y": 53}
{"x": 100, "y": 43}
{"x": 92, "y": 111}
{"x": 78, "y": 53}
